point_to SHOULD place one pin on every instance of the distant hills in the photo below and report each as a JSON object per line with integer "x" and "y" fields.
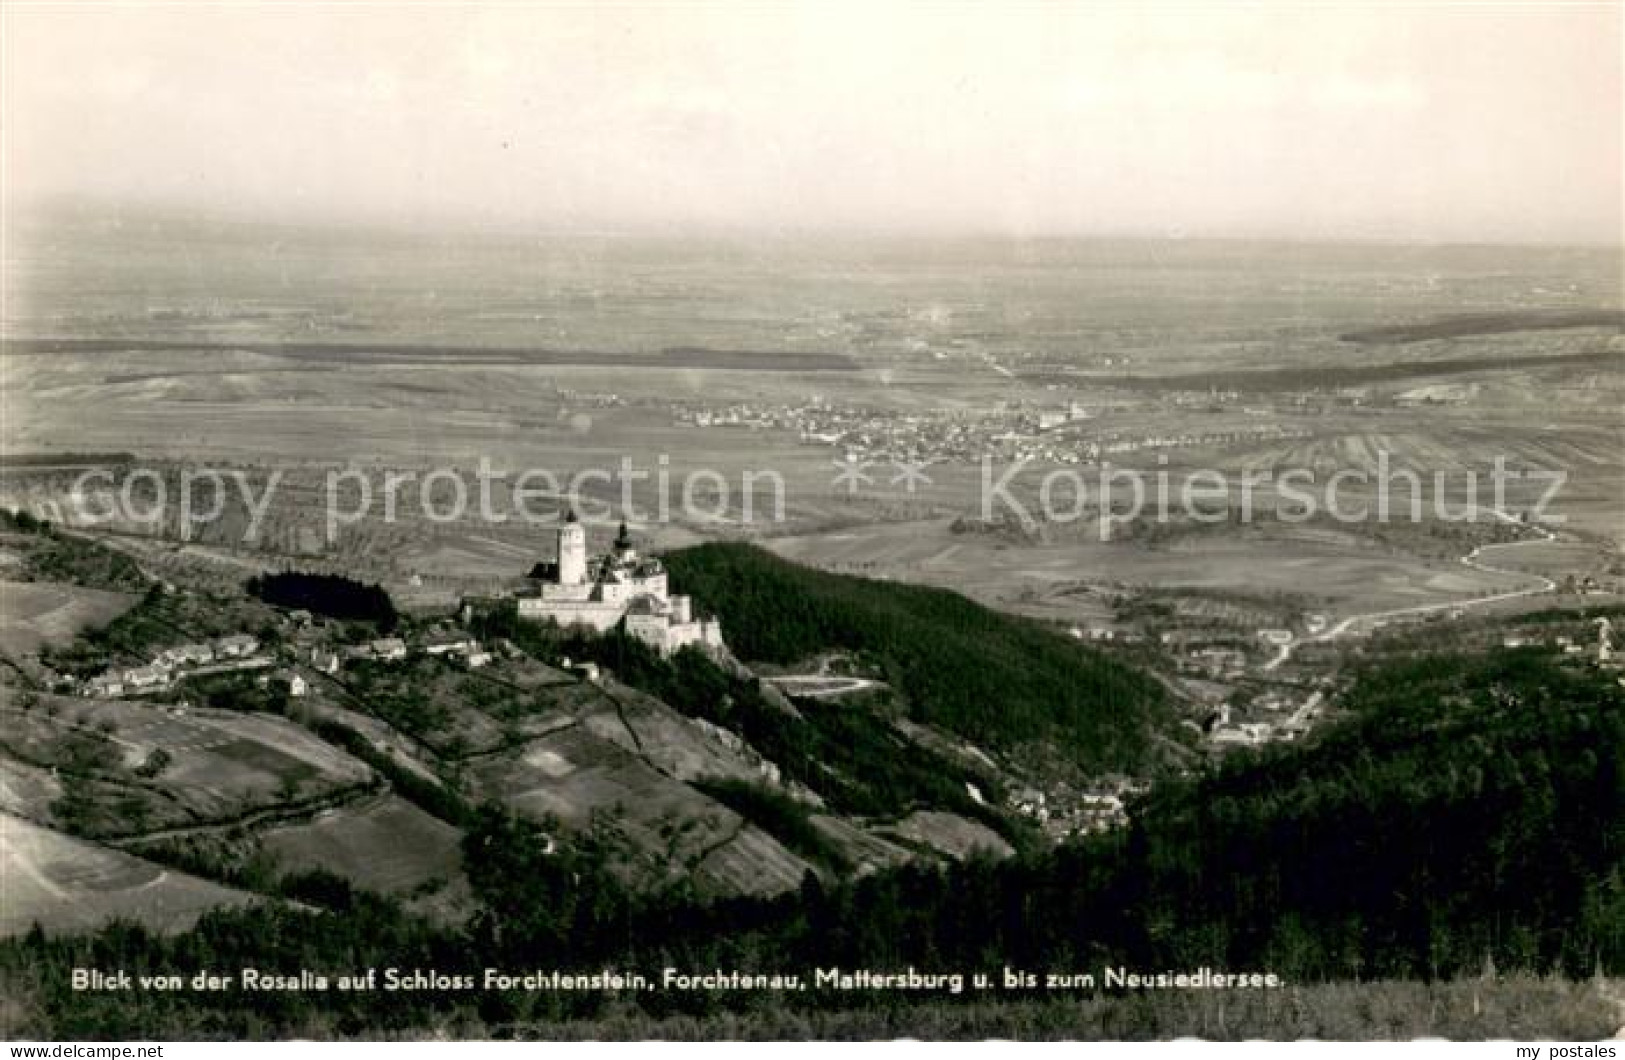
{"x": 1311, "y": 377}
{"x": 462, "y": 356}
{"x": 1465, "y": 325}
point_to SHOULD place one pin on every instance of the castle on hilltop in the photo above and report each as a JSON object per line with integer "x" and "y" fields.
{"x": 616, "y": 586}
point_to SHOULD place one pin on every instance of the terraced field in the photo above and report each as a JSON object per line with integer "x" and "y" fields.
{"x": 66, "y": 884}
{"x": 26, "y": 790}
{"x": 49, "y": 614}
{"x": 666, "y": 828}
{"x": 948, "y": 834}
{"x": 219, "y": 766}
{"x": 675, "y": 745}
{"x": 381, "y": 844}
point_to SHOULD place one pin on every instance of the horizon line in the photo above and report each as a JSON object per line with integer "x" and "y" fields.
{"x": 35, "y": 208}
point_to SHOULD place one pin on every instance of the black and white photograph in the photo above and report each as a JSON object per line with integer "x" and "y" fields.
{"x": 787, "y": 521}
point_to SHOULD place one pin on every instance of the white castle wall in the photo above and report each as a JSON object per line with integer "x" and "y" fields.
{"x": 600, "y": 616}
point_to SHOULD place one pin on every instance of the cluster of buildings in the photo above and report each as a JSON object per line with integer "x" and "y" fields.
{"x": 454, "y": 645}
{"x": 1107, "y": 635}
{"x": 1012, "y": 433}
{"x": 1219, "y": 663}
{"x": 243, "y": 651}
{"x": 1224, "y": 731}
{"x": 236, "y": 652}
{"x": 1599, "y": 652}
{"x": 1118, "y": 444}
{"x": 1064, "y": 811}
{"x": 618, "y": 587}
{"x": 1016, "y": 432}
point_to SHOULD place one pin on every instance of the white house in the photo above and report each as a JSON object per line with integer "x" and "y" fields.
{"x": 236, "y": 646}
{"x": 449, "y": 646}
{"x": 187, "y": 655}
{"x": 144, "y": 677}
{"x": 387, "y": 649}
{"x": 107, "y": 686}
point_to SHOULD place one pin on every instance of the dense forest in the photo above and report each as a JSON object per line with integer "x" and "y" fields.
{"x": 992, "y": 678}
{"x": 332, "y": 595}
{"x": 1466, "y": 811}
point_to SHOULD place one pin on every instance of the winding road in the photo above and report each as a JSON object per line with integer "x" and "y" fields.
{"x": 815, "y": 686}
{"x": 1284, "y": 651}
{"x": 820, "y": 684}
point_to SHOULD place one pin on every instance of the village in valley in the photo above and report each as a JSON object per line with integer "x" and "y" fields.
{"x": 616, "y": 588}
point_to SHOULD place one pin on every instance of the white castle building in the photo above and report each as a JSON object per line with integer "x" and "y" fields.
{"x": 617, "y": 586}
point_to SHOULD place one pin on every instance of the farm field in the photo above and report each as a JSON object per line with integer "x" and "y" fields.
{"x": 678, "y": 747}
{"x": 382, "y": 844}
{"x": 666, "y": 828}
{"x": 1552, "y": 559}
{"x": 217, "y": 766}
{"x": 628, "y": 765}
{"x": 247, "y": 757}
{"x": 49, "y": 614}
{"x": 1331, "y": 571}
{"x": 948, "y": 834}
{"x": 866, "y": 849}
{"x": 66, "y": 885}
{"x": 26, "y": 790}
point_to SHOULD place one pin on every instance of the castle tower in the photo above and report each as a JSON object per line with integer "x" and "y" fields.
{"x": 572, "y": 551}
{"x": 623, "y": 546}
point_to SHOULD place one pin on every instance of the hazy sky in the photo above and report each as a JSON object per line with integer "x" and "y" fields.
{"x": 1479, "y": 121}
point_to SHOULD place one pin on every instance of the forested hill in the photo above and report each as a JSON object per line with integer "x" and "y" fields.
{"x": 1466, "y": 811}
{"x": 1467, "y": 807}
{"x": 995, "y": 679}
